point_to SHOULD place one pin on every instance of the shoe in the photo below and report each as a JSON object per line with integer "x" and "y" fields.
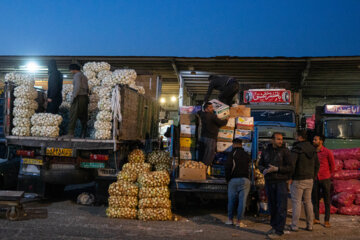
{"x": 293, "y": 229}
{"x": 271, "y": 231}
{"x": 240, "y": 224}
{"x": 274, "y": 235}
{"x": 316, "y": 221}
{"x": 310, "y": 229}
{"x": 229, "y": 222}
{"x": 327, "y": 224}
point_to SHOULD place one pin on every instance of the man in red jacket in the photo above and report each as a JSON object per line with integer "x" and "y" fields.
{"x": 323, "y": 182}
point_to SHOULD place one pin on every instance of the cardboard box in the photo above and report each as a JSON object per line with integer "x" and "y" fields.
{"x": 225, "y": 135}
{"x": 243, "y": 134}
{"x": 221, "y": 109}
{"x": 188, "y": 155}
{"x": 224, "y": 146}
{"x": 192, "y": 173}
{"x": 231, "y": 123}
{"x": 187, "y": 119}
{"x": 187, "y": 131}
{"x": 187, "y": 142}
{"x": 240, "y": 111}
{"x": 245, "y": 123}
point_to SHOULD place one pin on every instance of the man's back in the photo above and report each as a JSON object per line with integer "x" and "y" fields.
{"x": 237, "y": 164}
{"x": 210, "y": 124}
{"x": 306, "y": 161}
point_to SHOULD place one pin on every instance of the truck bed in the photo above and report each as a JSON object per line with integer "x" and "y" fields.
{"x": 208, "y": 185}
{"x": 76, "y": 143}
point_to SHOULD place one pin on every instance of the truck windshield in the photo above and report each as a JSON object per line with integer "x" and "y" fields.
{"x": 342, "y": 128}
{"x": 273, "y": 115}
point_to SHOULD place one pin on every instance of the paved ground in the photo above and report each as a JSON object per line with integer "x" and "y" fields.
{"x": 67, "y": 220}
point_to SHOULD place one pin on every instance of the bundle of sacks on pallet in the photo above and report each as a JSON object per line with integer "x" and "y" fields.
{"x": 25, "y": 104}
{"x": 346, "y": 181}
{"x": 137, "y": 181}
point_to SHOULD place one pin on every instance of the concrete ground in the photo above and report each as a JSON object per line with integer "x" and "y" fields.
{"x": 67, "y": 220}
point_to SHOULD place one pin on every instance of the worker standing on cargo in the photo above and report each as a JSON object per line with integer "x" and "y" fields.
{"x": 306, "y": 164}
{"x": 54, "y": 93}
{"x": 79, "y": 101}
{"x": 277, "y": 166}
{"x": 210, "y": 125}
{"x": 323, "y": 182}
{"x": 237, "y": 176}
{"x": 227, "y": 86}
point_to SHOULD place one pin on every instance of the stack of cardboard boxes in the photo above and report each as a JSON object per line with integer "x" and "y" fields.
{"x": 188, "y": 120}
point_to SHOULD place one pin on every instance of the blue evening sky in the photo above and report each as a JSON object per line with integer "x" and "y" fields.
{"x": 191, "y": 28}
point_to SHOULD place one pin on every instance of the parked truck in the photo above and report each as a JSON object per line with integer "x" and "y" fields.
{"x": 340, "y": 124}
{"x": 56, "y": 162}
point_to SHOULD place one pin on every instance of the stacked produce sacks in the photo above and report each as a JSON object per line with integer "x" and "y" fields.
{"x": 160, "y": 160}
{"x": 66, "y": 96}
{"x": 346, "y": 181}
{"x": 25, "y": 104}
{"x": 188, "y": 122}
{"x": 123, "y": 200}
{"x": 45, "y": 125}
{"x": 154, "y": 203}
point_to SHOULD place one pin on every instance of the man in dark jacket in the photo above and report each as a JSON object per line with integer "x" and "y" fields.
{"x": 276, "y": 164}
{"x": 55, "y": 83}
{"x": 306, "y": 169}
{"x": 210, "y": 125}
{"x": 237, "y": 176}
{"x": 227, "y": 86}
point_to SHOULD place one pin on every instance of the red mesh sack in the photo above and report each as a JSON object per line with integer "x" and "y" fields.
{"x": 349, "y": 153}
{"x": 350, "y": 210}
{"x": 333, "y": 209}
{"x": 339, "y": 164}
{"x": 346, "y": 174}
{"x": 351, "y": 164}
{"x": 351, "y": 186}
{"x": 343, "y": 199}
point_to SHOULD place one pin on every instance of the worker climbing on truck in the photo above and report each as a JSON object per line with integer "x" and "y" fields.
{"x": 227, "y": 86}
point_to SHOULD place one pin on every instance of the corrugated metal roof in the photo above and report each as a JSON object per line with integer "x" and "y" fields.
{"x": 322, "y": 76}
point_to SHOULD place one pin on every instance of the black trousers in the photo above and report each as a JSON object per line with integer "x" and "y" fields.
{"x": 229, "y": 92}
{"x": 321, "y": 188}
{"x": 53, "y": 107}
{"x": 277, "y": 194}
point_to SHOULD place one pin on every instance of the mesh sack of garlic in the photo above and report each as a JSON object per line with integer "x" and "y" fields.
{"x": 154, "y": 179}
{"x": 96, "y": 66}
{"x": 94, "y": 82}
{"x": 137, "y": 156}
{"x": 21, "y": 131}
{"x": 45, "y": 131}
{"x": 152, "y": 192}
{"x": 124, "y": 76}
{"x": 141, "y": 90}
{"x": 104, "y": 116}
{"x": 123, "y": 201}
{"x": 109, "y": 81}
{"x": 123, "y": 188}
{"x": 155, "y": 214}
{"x": 158, "y": 156}
{"x": 102, "y": 74}
{"x": 127, "y": 175}
{"x": 101, "y": 125}
{"x": 126, "y": 213}
{"x": 21, "y": 122}
{"x": 23, "y": 112}
{"x": 104, "y": 105}
{"x": 24, "y": 91}
{"x": 92, "y": 107}
{"x": 20, "y": 79}
{"x": 102, "y": 134}
{"x": 66, "y": 105}
{"x": 162, "y": 167}
{"x": 26, "y": 103}
{"x": 193, "y": 164}
{"x": 137, "y": 167}
{"x": 105, "y": 92}
{"x": 156, "y": 202}
{"x": 46, "y": 119}
{"x": 67, "y": 88}
{"x": 90, "y": 74}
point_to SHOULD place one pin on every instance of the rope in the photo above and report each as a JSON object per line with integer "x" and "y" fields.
{"x": 116, "y": 104}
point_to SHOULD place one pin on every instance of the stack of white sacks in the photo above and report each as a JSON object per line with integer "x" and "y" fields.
{"x": 25, "y": 104}
{"x": 66, "y": 95}
{"x": 45, "y": 125}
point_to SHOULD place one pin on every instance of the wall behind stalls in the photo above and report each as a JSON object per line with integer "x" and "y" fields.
{"x": 309, "y": 103}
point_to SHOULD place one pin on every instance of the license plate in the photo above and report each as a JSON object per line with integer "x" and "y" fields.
{"x": 32, "y": 161}
{"x": 60, "y": 152}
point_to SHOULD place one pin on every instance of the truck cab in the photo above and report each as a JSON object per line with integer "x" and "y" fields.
{"x": 340, "y": 124}
{"x": 272, "y": 112}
